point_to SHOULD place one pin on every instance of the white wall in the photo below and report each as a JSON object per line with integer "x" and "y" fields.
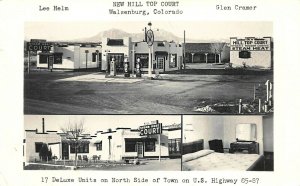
{"x": 230, "y": 123}
{"x": 268, "y": 127}
{"x": 260, "y": 59}
{"x": 204, "y": 127}
{"x": 74, "y": 57}
{"x": 125, "y": 49}
{"x": 32, "y": 137}
{"x": 67, "y": 57}
{"x": 82, "y": 57}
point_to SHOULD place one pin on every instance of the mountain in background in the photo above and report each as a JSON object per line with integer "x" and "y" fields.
{"x": 159, "y": 36}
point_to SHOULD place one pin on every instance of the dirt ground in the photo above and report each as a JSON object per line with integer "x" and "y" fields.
{"x": 92, "y": 93}
{"x": 146, "y": 165}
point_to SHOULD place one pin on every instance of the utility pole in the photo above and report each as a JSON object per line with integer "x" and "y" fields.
{"x": 184, "y": 49}
{"x": 86, "y": 58}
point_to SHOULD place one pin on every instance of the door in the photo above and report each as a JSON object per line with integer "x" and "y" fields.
{"x": 161, "y": 63}
{"x": 65, "y": 151}
{"x": 140, "y": 149}
{"x": 50, "y": 62}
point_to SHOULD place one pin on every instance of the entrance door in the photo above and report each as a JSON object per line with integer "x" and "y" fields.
{"x": 65, "y": 151}
{"x": 161, "y": 63}
{"x": 140, "y": 149}
{"x": 50, "y": 62}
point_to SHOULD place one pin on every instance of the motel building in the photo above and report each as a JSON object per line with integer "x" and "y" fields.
{"x": 165, "y": 56}
{"x": 114, "y": 145}
{"x": 206, "y": 52}
{"x": 70, "y": 57}
{"x": 251, "y": 52}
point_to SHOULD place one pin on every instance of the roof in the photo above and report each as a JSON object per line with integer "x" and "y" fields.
{"x": 115, "y": 42}
{"x": 200, "y": 47}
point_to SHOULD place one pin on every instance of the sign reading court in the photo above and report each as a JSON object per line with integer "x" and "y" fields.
{"x": 38, "y": 45}
{"x": 150, "y": 129}
{"x": 250, "y": 44}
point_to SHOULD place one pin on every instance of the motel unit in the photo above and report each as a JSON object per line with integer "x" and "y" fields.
{"x": 70, "y": 57}
{"x": 114, "y": 145}
{"x": 207, "y": 52}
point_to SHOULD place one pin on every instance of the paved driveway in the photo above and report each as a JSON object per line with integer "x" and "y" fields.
{"x": 90, "y": 93}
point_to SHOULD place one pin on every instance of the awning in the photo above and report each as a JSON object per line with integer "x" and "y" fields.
{"x": 162, "y": 53}
{"x": 98, "y": 141}
{"x": 140, "y": 139}
{"x": 55, "y": 143}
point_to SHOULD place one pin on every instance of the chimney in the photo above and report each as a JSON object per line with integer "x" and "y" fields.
{"x": 43, "y": 125}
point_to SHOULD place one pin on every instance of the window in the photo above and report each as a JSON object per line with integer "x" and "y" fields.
{"x": 94, "y": 57}
{"x": 43, "y": 59}
{"x": 160, "y": 63}
{"x": 244, "y": 54}
{"x": 144, "y": 59}
{"x": 58, "y": 58}
{"x": 173, "y": 61}
{"x": 99, "y": 146}
{"x": 130, "y": 146}
{"x": 160, "y": 44}
{"x": 82, "y": 148}
{"x": 150, "y": 146}
{"x": 174, "y": 145}
{"x": 38, "y": 146}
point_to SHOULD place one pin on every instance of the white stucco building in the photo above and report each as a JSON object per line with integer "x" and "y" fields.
{"x": 251, "y": 52}
{"x": 165, "y": 56}
{"x": 70, "y": 57}
{"x": 114, "y": 145}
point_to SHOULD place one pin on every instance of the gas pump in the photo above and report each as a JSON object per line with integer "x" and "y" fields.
{"x": 112, "y": 67}
{"x": 126, "y": 68}
{"x": 138, "y": 68}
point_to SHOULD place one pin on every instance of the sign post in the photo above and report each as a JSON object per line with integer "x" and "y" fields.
{"x": 86, "y": 58}
{"x": 150, "y": 40}
{"x": 159, "y": 157}
{"x": 152, "y": 129}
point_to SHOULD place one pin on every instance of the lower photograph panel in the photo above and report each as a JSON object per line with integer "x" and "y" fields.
{"x": 228, "y": 143}
{"x": 102, "y": 142}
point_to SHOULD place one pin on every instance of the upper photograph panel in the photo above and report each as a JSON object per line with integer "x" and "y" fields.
{"x": 148, "y": 67}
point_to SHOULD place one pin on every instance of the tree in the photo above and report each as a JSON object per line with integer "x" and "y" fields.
{"x": 74, "y": 136}
{"x": 44, "y": 152}
{"x": 217, "y": 48}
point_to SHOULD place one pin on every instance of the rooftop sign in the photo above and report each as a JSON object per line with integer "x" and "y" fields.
{"x": 250, "y": 44}
{"x": 38, "y": 45}
{"x": 150, "y": 129}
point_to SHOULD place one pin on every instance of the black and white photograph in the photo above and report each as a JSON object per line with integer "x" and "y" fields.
{"x": 148, "y": 67}
{"x": 102, "y": 142}
{"x": 162, "y": 92}
{"x": 228, "y": 143}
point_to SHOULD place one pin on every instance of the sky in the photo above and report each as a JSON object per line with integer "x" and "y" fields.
{"x": 194, "y": 30}
{"x": 93, "y": 123}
